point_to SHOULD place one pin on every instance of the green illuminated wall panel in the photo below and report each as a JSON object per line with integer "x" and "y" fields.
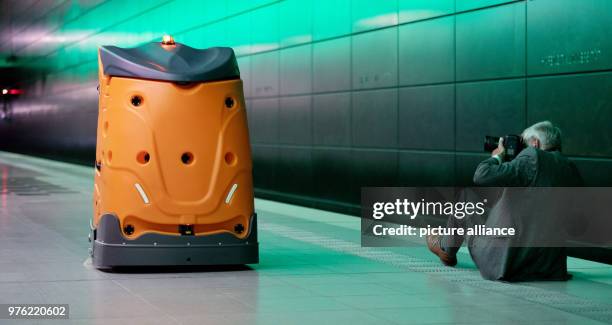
{"x": 427, "y": 52}
{"x": 296, "y": 70}
{"x": 331, "y": 18}
{"x": 295, "y": 22}
{"x": 374, "y": 59}
{"x": 295, "y": 121}
{"x": 332, "y": 65}
{"x": 415, "y": 104}
{"x": 263, "y": 121}
{"x": 185, "y": 14}
{"x": 210, "y": 35}
{"x": 582, "y": 108}
{"x": 491, "y": 43}
{"x": 426, "y": 169}
{"x": 264, "y": 29}
{"x": 241, "y": 6}
{"x": 412, "y": 10}
{"x": 332, "y": 119}
{"x": 476, "y": 4}
{"x": 366, "y": 15}
{"x": 238, "y": 34}
{"x": 374, "y": 118}
{"x": 296, "y": 164}
{"x": 488, "y": 108}
{"x": 582, "y": 37}
{"x": 265, "y": 74}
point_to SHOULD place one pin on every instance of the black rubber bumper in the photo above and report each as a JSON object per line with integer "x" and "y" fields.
{"x": 111, "y": 249}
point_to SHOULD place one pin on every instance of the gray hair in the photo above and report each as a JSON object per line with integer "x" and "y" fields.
{"x": 548, "y": 134}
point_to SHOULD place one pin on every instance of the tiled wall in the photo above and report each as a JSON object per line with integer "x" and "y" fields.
{"x": 402, "y": 93}
{"x": 343, "y": 94}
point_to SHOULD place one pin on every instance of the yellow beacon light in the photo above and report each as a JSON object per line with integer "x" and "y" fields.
{"x": 167, "y": 40}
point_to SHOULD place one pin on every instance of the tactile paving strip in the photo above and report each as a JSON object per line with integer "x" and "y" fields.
{"x": 564, "y": 302}
{"x": 30, "y": 186}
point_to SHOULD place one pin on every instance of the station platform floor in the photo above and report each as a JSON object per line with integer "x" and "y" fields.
{"x": 312, "y": 271}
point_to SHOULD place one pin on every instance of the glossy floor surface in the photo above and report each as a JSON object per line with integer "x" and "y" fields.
{"x": 312, "y": 270}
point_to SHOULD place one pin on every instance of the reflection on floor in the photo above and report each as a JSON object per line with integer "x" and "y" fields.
{"x": 312, "y": 270}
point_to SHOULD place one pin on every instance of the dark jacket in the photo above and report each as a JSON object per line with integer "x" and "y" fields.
{"x": 499, "y": 258}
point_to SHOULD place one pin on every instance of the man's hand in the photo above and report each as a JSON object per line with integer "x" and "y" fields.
{"x": 500, "y": 151}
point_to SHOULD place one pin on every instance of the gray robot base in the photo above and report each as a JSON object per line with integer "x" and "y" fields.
{"x": 111, "y": 249}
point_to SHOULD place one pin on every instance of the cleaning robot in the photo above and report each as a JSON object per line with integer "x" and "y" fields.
{"x": 173, "y": 170}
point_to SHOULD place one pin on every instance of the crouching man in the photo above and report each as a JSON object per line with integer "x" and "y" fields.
{"x": 541, "y": 164}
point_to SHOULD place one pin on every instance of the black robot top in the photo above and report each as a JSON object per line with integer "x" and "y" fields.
{"x": 177, "y": 62}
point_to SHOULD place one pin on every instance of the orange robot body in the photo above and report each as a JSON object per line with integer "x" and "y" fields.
{"x": 173, "y": 180}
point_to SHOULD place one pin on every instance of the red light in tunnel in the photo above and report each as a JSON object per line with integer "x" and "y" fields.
{"x": 12, "y": 91}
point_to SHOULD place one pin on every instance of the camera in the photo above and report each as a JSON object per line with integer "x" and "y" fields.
{"x": 513, "y": 145}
